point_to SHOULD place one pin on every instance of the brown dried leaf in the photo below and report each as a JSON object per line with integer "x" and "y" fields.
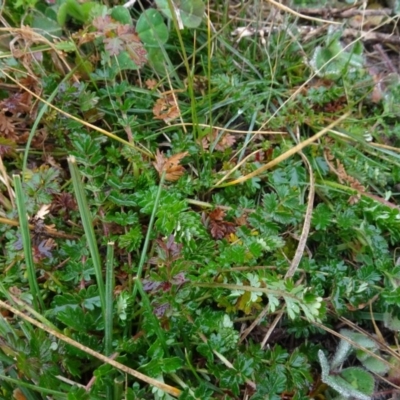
{"x": 166, "y": 108}
{"x": 19, "y": 102}
{"x": 18, "y": 395}
{"x": 119, "y": 37}
{"x": 354, "y": 199}
{"x": 7, "y": 127}
{"x": 225, "y": 141}
{"x": 150, "y": 84}
{"x": 242, "y": 220}
{"x": 343, "y": 176}
{"x": 173, "y": 171}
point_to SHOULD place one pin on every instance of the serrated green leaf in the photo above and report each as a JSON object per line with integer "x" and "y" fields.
{"x": 322, "y": 217}
{"x": 74, "y": 318}
{"x": 132, "y": 239}
{"x": 171, "y": 364}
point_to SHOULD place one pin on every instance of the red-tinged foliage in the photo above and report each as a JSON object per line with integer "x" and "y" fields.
{"x": 63, "y": 203}
{"x": 105, "y": 24}
{"x": 119, "y": 37}
{"x": 7, "y": 146}
{"x": 114, "y": 45}
{"x": 43, "y": 250}
{"x": 218, "y": 227}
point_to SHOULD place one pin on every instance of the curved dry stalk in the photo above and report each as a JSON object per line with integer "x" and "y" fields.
{"x": 302, "y": 243}
{"x": 282, "y": 157}
{"x": 297, "y": 14}
{"x": 236, "y": 167}
{"x": 307, "y": 222}
{"x": 296, "y": 259}
{"x": 166, "y": 388}
{"x": 383, "y": 346}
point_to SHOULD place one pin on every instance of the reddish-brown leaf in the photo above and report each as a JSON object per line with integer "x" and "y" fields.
{"x": 19, "y": 102}
{"x": 150, "y": 84}
{"x": 7, "y": 127}
{"x": 224, "y": 142}
{"x": 114, "y": 45}
{"x": 18, "y": 395}
{"x": 166, "y": 108}
{"x": 136, "y": 51}
{"x": 173, "y": 171}
{"x": 118, "y": 37}
{"x": 218, "y": 227}
{"x": 105, "y": 24}
{"x": 217, "y": 215}
{"x": 217, "y": 230}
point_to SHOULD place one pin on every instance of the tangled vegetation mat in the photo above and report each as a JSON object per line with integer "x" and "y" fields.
{"x": 199, "y": 200}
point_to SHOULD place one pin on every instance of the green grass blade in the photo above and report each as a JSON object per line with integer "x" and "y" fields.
{"x": 108, "y": 328}
{"x": 42, "y": 390}
{"x": 119, "y": 383}
{"x": 138, "y": 287}
{"x": 88, "y": 228}
{"x": 26, "y": 241}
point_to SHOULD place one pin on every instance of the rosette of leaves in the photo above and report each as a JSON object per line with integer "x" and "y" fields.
{"x": 353, "y": 382}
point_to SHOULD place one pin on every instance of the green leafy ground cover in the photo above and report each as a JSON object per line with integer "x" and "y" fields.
{"x": 197, "y": 202}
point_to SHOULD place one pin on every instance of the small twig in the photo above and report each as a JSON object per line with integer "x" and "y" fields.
{"x": 247, "y": 331}
{"x": 297, "y": 14}
{"x": 372, "y": 36}
{"x": 272, "y": 327}
{"x": 343, "y": 13}
{"x": 129, "y": 3}
{"x": 296, "y": 259}
{"x": 302, "y": 242}
{"x": 282, "y": 157}
{"x": 307, "y": 222}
